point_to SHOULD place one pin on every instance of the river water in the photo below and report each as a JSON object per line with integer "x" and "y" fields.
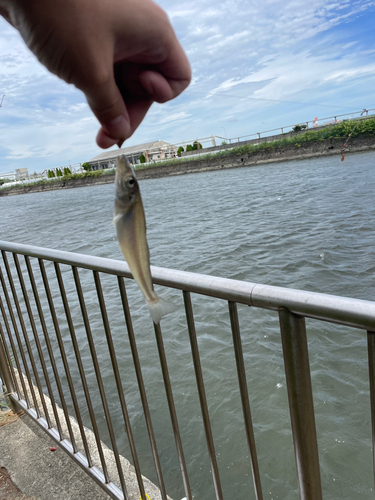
{"x": 303, "y": 224}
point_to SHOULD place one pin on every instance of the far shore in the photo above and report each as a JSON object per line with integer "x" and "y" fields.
{"x": 211, "y": 162}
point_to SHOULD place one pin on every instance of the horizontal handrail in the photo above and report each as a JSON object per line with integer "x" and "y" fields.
{"x": 342, "y": 310}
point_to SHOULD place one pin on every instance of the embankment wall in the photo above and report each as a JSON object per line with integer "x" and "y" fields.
{"x": 314, "y": 149}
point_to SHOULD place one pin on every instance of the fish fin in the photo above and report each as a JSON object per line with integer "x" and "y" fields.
{"x": 116, "y": 218}
{"x": 159, "y": 308}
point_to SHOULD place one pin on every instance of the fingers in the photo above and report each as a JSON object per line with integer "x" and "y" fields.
{"x": 157, "y": 87}
{"x": 175, "y": 69}
{"x": 136, "y": 112}
{"x": 104, "y": 141}
{"x": 170, "y": 77}
{"x": 106, "y": 102}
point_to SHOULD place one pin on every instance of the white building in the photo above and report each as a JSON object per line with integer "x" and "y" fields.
{"x": 18, "y": 174}
{"x": 152, "y": 151}
{"x": 22, "y": 173}
{"x": 8, "y": 175}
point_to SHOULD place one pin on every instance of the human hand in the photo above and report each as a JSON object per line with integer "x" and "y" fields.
{"x": 89, "y": 42}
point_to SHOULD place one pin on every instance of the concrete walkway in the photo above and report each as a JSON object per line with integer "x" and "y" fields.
{"x": 46, "y": 475}
{"x": 39, "y": 472}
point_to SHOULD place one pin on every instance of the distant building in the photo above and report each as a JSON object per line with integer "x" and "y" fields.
{"x": 8, "y": 175}
{"x": 18, "y": 174}
{"x": 21, "y": 173}
{"x": 152, "y": 151}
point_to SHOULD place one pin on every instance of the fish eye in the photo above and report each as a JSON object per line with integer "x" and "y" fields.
{"x": 130, "y": 182}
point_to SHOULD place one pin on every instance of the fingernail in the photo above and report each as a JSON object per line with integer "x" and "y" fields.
{"x": 118, "y": 128}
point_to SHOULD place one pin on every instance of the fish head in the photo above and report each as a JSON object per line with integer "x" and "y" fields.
{"x": 127, "y": 188}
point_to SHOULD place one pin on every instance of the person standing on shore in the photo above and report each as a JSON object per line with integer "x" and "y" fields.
{"x": 85, "y": 42}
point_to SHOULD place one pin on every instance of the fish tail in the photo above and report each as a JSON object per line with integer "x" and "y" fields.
{"x": 159, "y": 308}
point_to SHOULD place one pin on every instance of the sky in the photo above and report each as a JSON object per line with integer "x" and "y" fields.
{"x": 256, "y": 66}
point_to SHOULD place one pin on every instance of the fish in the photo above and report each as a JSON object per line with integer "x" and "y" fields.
{"x": 130, "y": 222}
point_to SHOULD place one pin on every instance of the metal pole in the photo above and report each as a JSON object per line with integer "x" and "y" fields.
{"x": 5, "y": 375}
{"x": 101, "y": 388}
{"x": 7, "y": 353}
{"x": 118, "y": 381}
{"x": 202, "y": 395}
{"x": 4, "y": 368}
{"x": 16, "y": 332}
{"x": 297, "y": 371}
{"x": 142, "y": 390}
{"x": 371, "y": 364}
{"x": 237, "y": 344}
{"x": 172, "y": 410}
{"x": 79, "y": 359}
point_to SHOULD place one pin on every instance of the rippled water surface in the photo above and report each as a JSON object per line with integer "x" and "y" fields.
{"x": 303, "y": 224}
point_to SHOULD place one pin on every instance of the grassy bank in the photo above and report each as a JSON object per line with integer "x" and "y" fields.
{"x": 354, "y": 128}
{"x": 347, "y": 129}
{"x": 45, "y": 182}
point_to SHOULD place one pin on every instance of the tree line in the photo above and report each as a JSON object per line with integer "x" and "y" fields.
{"x": 59, "y": 172}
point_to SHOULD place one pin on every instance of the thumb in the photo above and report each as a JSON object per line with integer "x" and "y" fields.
{"x": 107, "y": 104}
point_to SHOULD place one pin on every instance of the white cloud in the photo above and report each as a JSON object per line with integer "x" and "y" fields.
{"x": 174, "y": 117}
{"x": 76, "y": 107}
{"x": 283, "y": 75}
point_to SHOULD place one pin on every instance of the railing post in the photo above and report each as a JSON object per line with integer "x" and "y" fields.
{"x": 371, "y": 364}
{"x": 5, "y": 375}
{"x": 237, "y": 344}
{"x": 4, "y": 370}
{"x": 297, "y": 371}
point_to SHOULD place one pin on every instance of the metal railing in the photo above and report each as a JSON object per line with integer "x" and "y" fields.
{"x": 278, "y": 133}
{"x": 313, "y": 123}
{"x": 28, "y": 351}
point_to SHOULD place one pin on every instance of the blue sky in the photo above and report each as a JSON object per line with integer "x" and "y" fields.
{"x": 256, "y": 66}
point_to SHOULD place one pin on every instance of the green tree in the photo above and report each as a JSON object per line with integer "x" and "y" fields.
{"x": 297, "y": 128}
{"x": 142, "y": 159}
{"x": 180, "y": 150}
{"x": 224, "y": 143}
{"x": 197, "y": 145}
{"x": 50, "y": 174}
{"x": 67, "y": 171}
{"x": 86, "y": 166}
{"x": 189, "y": 147}
{"x": 58, "y": 172}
